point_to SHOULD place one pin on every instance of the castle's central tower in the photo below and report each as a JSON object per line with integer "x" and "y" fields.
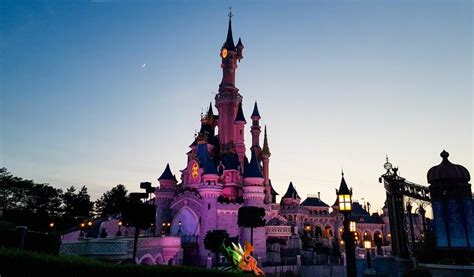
{"x": 228, "y": 98}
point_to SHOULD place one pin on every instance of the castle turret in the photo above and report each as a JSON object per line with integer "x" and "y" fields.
{"x": 209, "y": 190}
{"x": 255, "y": 130}
{"x": 254, "y": 196}
{"x": 239, "y": 134}
{"x": 163, "y": 196}
{"x": 291, "y": 197}
{"x": 265, "y": 161}
{"x": 228, "y": 98}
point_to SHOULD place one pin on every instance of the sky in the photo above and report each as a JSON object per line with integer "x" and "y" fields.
{"x": 100, "y": 93}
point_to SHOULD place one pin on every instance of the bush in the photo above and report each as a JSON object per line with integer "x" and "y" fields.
{"x": 24, "y": 263}
{"x": 418, "y": 272}
{"x": 34, "y": 241}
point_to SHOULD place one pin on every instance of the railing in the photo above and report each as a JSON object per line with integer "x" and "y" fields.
{"x": 189, "y": 239}
{"x": 105, "y": 249}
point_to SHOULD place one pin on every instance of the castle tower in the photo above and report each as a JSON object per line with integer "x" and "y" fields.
{"x": 255, "y": 130}
{"x": 291, "y": 197}
{"x": 239, "y": 134}
{"x": 266, "y": 160}
{"x": 209, "y": 190}
{"x": 254, "y": 196}
{"x": 228, "y": 98}
{"x": 163, "y": 197}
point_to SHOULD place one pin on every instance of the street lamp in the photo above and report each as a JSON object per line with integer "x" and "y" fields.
{"x": 367, "y": 246}
{"x": 179, "y": 227}
{"x": 82, "y": 225}
{"x": 119, "y": 232}
{"x": 369, "y": 271}
{"x": 344, "y": 197}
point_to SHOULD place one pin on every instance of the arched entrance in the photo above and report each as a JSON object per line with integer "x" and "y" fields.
{"x": 185, "y": 222}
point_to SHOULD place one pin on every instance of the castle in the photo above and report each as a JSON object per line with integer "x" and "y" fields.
{"x": 219, "y": 179}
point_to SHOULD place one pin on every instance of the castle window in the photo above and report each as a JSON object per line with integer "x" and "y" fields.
{"x": 208, "y": 206}
{"x": 241, "y": 131}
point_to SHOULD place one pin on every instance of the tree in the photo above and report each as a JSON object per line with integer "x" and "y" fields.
{"x": 214, "y": 240}
{"x": 112, "y": 202}
{"x": 251, "y": 217}
{"x": 13, "y": 190}
{"x": 77, "y": 205}
{"x": 139, "y": 215}
{"x": 45, "y": 199}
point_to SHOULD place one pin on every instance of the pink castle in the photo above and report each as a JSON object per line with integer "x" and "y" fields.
{"x": 219, "y": 179}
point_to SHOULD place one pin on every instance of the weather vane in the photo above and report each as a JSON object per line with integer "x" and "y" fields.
{"x": 230, "y": 12}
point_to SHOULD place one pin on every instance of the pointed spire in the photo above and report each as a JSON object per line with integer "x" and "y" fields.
{"x": 239, "y": 44}
{"x": 229, "y": 42}
{"x": 253, "y": 168}
{"x": 240, "y": 115}
{"x": 255, "y": 113}
{"x": 210, "y": 112}
{"x": 167, "y": 175}
{"x": 343, "y": 189}
{"x": 265, "y": 149}
{"x": 291, "y": 192}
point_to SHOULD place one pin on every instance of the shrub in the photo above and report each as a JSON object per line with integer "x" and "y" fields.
{"x": 24, "y": 263}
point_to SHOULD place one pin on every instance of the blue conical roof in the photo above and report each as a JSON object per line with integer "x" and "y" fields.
{"x": 229, "y": 42}
{"x": 167, "y": 175}
{"x": 255, "y": 112}
{"x": 291, "y": 192}
{"x": 240, "y": 114}
{"x": 253, "y": 169}
{"x": 210, "y": 167}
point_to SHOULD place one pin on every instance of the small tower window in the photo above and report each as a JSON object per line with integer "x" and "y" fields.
{"x": 209, "y": 206}
{"x": 241, "y": 131}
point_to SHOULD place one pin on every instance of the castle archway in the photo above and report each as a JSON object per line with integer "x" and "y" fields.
{"x": 185, "y": 222}
{"x": 147, "y": 259}
{"x": 328, "y": 233}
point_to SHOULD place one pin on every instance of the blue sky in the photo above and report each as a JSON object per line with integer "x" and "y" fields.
{"x": 339, "y": 84}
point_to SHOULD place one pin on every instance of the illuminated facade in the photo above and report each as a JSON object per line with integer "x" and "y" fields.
{"x": 219, "y": 179}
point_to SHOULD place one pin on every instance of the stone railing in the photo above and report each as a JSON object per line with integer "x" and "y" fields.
{"x": 278, "y": 231}
{"x": 119, "y": 249}
{"x": 102, "y": 249}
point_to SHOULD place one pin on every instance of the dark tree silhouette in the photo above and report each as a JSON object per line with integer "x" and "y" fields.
{"x": 77, "y": 205}
{"x": 139, "y": 215}
{"x": 112, "y": 202}
{"x": 26, "y": 203}
{"x": 251, "y": 217}
{"x": 214, "y": 240}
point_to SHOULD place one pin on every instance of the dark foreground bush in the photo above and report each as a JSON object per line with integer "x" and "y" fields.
{"x": 15, "y": 263}
{"x": 418, "y": 272}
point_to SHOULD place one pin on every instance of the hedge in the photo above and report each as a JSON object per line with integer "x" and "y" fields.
{"x": 25, "y": 263}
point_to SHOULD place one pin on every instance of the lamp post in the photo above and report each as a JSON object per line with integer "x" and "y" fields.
{"x": 344, "y": 196}
{"x": 369, "y": 271}
{"x": 367, "y": 246}
{"x": 179, "y": 227}
{"x": 81, "y": 234}
{"x": 119, "y": 232}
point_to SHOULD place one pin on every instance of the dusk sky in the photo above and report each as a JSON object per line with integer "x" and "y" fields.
{"x": 100, "y": 93}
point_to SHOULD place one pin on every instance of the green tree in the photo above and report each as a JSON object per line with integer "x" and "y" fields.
{"x": 214, "y": 240}
{"x": 251, "y": 217}
{"x": 112, "y": 202}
